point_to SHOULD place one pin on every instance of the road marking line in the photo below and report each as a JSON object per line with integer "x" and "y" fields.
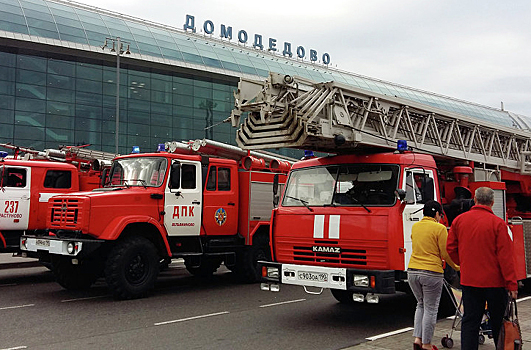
{"x": 78, "y": 299}
{"x": 16, "y": 307}
{"x": 283, "y": 302}
{"x": 403, "y": 330}
{"x": 522, "y": 299}
{"x": 191, "y": 318}
{"x": 16, "y": 348}
{"x": 8, "y": 285}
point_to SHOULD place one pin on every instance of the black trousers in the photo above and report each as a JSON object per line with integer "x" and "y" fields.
{"x": 474, "y": 307}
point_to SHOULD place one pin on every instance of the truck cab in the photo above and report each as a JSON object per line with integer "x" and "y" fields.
{"x": 345, "y": 221}
{"x": 26, "y": 187}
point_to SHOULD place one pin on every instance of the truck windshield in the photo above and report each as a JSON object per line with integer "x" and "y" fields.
{"x": 345, "y": 185}
{"x": 140, "y": 171}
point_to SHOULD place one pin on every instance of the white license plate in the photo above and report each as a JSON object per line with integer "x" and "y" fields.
{"x": 42, "y": 243}
{"x": 313, "y": 276}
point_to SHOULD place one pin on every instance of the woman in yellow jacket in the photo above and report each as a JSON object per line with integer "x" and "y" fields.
{"x": 425, "y": 272}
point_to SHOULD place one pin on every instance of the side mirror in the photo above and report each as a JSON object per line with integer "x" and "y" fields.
{"x": 400, "y": 194}
{"x": 3, "y": 174}
{"x": 276, "y": 196}
{"x": 427, "y": 188}
{"x": 104, "y": 177}
{"x": 175, "y": 175}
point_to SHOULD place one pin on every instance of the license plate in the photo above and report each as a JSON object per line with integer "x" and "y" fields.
{"x": 313, "y": 276}
{"x": 42, "y": 243}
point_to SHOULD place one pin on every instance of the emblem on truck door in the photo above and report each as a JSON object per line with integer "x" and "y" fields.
{"x": 220, "y": 216}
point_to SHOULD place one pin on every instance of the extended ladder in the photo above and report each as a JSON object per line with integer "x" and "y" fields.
{"x": 333, "y": 117}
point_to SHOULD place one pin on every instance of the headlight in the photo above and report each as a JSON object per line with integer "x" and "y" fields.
{"x": 71, "y": 247}
{"x": 361, "y": 281}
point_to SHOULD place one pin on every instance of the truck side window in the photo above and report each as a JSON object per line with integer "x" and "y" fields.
{"x": 419, "y": 187}
{"x": 188, "y": 180}
{"x": 58, "y": 179}
{"x": 211, "y": 181}
{"x": 15, "y": 177}
{"x": 224, "y": 179}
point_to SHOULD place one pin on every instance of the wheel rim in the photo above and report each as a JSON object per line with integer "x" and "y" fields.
{"x": 136, "y": 270}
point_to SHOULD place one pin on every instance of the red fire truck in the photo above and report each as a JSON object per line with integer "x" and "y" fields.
{"x": 344, "y": 221}
{"x": 28, "y": 182}
{"x": 203, "y": 201}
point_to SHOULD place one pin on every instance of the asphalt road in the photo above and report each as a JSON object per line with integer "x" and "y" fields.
{"x": 186, "y": 313}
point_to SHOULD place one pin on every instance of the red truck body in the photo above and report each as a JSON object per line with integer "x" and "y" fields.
{"x": 27, "y": 185}
{"x": 160, "y": 206}
{"x": 344, "y": 222}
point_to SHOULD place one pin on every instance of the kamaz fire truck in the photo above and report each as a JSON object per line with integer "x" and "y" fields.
{"x": 344, "y": 221}
{"x": 202, "y": 201}
{"x": 28, "y": 182}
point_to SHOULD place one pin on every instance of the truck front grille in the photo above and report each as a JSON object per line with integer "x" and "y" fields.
{"x": 354, "y": 254}
{"x": 347, "y": 256}
{"x": 65, "y": 213}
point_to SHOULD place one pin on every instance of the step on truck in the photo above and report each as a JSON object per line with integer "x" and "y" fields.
{"x": 344, "y": 221}
{"x": 202, "y": 201}
{"x": 29, "y": 178}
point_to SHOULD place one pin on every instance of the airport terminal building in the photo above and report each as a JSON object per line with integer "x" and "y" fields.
{"x": 58, "y": 86}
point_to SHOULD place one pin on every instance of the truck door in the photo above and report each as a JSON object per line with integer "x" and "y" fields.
{"x": 221, "y": 201}
{"x": 420, "y": 187}
{"x": 182, "y": 200}
{"x": 15, "y": 198}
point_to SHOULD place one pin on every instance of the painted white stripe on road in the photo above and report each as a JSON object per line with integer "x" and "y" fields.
{"x": 79, "y": 299}
{"x": 191, "y": 318}
{"x": 8, "y": 285}
{"x": 283, "y": 302}
{"x": 16, "y": 307}
{"x": 318, "y": 226}
{"x": 16, "y": 348}
{"x": 403, "y": 330}
{"x": 522, "y": 299}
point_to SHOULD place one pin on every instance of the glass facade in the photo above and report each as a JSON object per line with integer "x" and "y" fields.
{"x": 48, "y": 99}
{"x": 47, "y": 102}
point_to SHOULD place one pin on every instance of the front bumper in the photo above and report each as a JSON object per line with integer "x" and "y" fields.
{"x": 355, "y": 280}
{"x": 74, "y": 247}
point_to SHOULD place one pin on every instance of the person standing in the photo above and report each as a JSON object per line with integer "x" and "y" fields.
{"x": 480, "y": 243}
{"x": 425, "y": 271}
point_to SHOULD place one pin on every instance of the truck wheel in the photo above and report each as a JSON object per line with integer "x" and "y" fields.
{"x": 206, "y": 268}
{"x": 132, "y": 268}
{"x": 247, "y": 268}
{"x": 74, "y": 277}
{"x": 343, "y": 296}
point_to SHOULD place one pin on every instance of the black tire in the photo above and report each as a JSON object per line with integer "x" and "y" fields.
{"x": 74, "y": 277}
{"x": 206, "y": 268}
{"x": 481, "y": 339}
{"x": 132, "y": 268}
{"x": 247, "y": 265}
{"x": 343, "y": 296}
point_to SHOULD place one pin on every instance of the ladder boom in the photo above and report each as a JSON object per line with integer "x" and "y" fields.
{"x": 338, "y": 118}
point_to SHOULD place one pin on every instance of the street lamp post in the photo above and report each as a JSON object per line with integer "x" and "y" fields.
{"x": 119, "y": 44}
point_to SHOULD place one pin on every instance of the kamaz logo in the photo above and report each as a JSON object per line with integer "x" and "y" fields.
{"x": 320, "y": 249}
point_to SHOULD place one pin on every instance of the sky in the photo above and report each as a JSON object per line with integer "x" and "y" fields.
{"x": 477, "y": 51}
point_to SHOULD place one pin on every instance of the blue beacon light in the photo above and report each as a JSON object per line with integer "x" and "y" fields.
{"x": 136, "y": 149}
{"x": 401, "y": 145}
{"x": 161, "y": 147}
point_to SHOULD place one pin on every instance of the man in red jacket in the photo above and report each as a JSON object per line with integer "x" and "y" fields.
{"x": 479, "y": 242}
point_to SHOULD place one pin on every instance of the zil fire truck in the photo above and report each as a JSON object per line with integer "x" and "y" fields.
{"x": 203, "y": 201}
{"x": 27, "y": 183}
{"x": 344, "y": 221}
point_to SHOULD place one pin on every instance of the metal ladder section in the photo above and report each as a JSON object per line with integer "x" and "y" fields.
{"x": 333, "y": 117}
